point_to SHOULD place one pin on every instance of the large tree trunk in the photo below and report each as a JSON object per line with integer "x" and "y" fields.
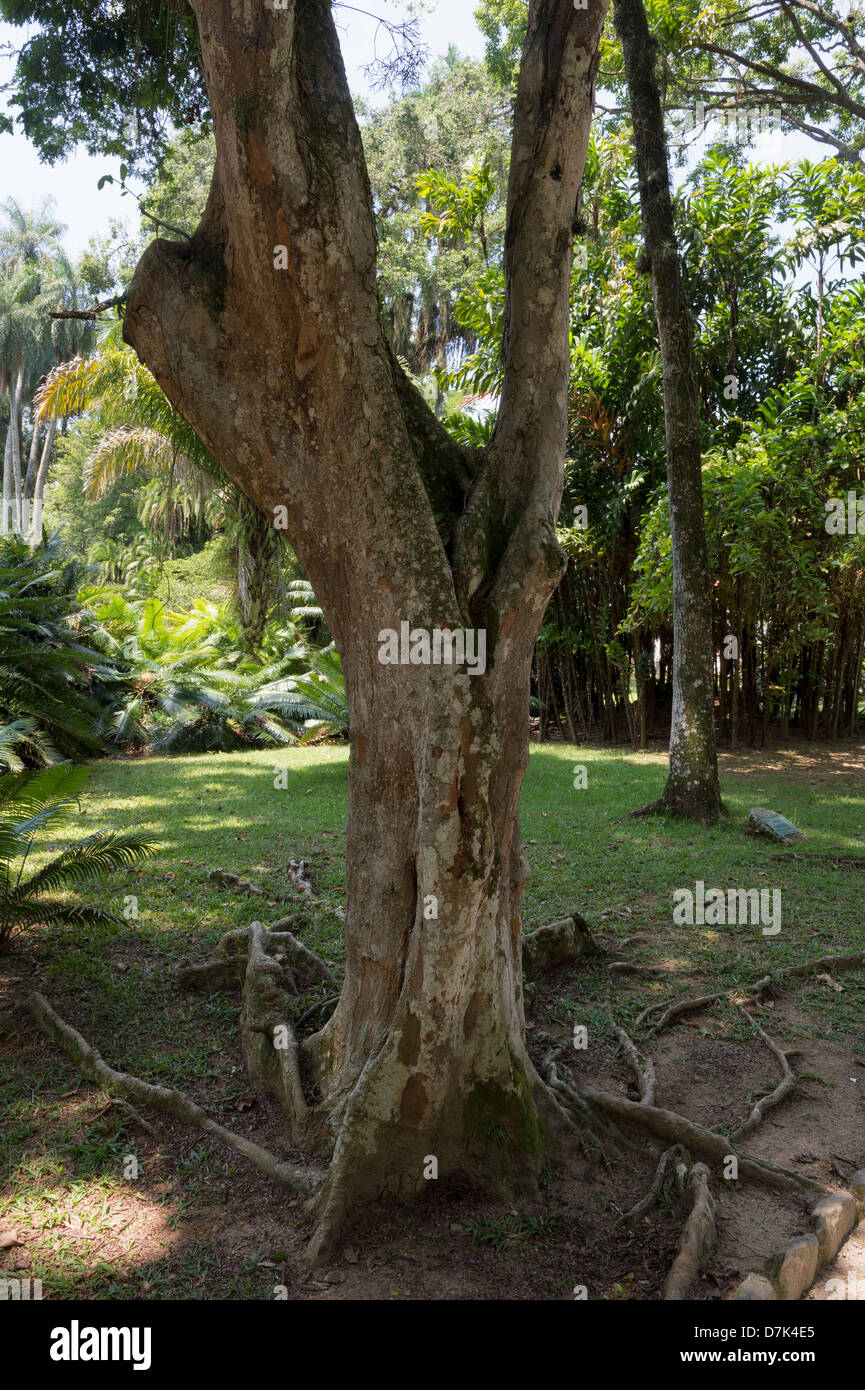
{"x": 288, "y": 377}
{"x": 692, "y": 785}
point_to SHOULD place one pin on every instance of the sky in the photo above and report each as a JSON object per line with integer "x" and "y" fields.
{"x": 86, "y": 211}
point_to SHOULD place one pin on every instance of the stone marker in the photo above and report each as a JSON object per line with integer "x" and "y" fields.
{"x": 763, "y": 822}
{"x": 794, "y": 1268}
{"x": 755, "y": 1289}
{"x": 833, "y": 1219}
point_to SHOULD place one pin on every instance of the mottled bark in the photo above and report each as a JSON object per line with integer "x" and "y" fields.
{"x": 692, "y": 785}
{"x": 285, "y": 372}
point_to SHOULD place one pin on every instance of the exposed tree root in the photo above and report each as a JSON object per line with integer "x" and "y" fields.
{"x": 667, "y": 1124}
{"x": 169, "y": 1101}
{"x": 315, "y": 1008}
{"x": 671, "y": 1011}
{"x": 115, "y": 1102}
{"x": 784, "y": 1087}
{"x": 642, "y": 1067}
{"x": 628, "y": 967}
{"x": 836, "y": 963}
{"x": 646, "y": 1203}
{"x": 228, "y": 964}
{"x": 697, "y": 1237}
{"x": 579, "y": 1114}
{"x": 210, "y": 976}
{"x": 706, "y": 812}
{"x": 852, "y": 861}
{"x": 269, "y": 1044}
{"x": 565, "y": 940}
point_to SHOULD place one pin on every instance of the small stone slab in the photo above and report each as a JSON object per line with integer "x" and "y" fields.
{"x": 755, "y": 1289}
{"x": 794, "y": 1268}
{"x": 833, "y": 1218}
{"x": 772, "y": 823}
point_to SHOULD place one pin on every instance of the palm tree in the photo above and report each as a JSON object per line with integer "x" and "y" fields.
{"x": 141, "y": 431}
{"x": 29, "y": 237}
{"x": 20, "y": 333}
{"x": 36, "y": 278}
{"x": 63, "y": 339}
{"x": 30, "y": 802}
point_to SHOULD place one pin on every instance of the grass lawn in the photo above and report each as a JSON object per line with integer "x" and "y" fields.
{"x": 88, "y": 1231}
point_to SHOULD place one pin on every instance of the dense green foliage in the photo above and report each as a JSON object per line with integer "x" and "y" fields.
{"x": 111, "y": 76}
{"x": 35, "y": 801}
{"x": 770, "y": 257}
{"x": 56, "y": 679}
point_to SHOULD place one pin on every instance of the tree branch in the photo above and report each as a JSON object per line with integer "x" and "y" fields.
{"x": 778, "y": 76}
{"x": 89, "y": 313}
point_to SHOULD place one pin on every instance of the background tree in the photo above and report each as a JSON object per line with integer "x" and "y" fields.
{"x": 692, "y": 784}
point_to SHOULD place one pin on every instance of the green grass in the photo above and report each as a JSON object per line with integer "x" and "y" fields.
{"x": 116, "y": 984}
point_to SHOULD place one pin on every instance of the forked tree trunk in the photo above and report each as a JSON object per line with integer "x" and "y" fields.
{"x": 692, "y": 785}
{"x": 286, "y": 374}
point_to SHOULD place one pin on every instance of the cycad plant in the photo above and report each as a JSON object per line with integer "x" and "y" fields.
{"x": 56, "y": 687}
{"x": 192, "y": 687}
{"x": 313, "y": 703}
{"x": 30, "y": 803}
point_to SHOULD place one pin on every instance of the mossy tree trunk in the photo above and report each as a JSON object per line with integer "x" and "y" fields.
{"x": 692, "y": 785}
{"x": 279, "y": 360}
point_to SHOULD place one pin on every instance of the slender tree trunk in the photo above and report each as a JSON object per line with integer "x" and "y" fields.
{"x": 44, "y": 461}
{"x": 32, "y": 461}
{"x": 843, "y": 648}
{"x": 16, "y": 387}
{"x": 7, "y": 520}
{"x": 857, "y": 676}
{"x": 279, "y": 360}
{"x": 257, "y": 589}
{"x": 692, "y": 786}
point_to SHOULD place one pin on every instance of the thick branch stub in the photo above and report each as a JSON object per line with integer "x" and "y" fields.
{"x": 228, "y": 965}
{"x": 163, "y": 1098}
{"x": 269, "y": 1043}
